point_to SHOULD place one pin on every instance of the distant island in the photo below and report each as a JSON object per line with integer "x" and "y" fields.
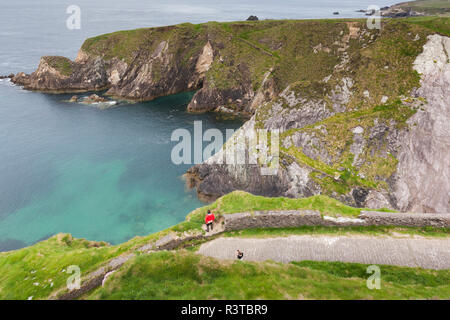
{"x": 414, "y": 9}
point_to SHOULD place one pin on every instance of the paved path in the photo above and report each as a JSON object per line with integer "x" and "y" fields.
{"x": 411, "y": 252}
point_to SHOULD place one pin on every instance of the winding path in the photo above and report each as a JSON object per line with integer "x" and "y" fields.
{"x": 411, "y": 252}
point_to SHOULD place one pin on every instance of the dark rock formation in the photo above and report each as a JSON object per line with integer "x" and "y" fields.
{"x": 10, "y": 76}
{"x": 252, "y": 18}
{"x": 74, "y": 99}
{"x": 212, "y": 181}
{"x": 360, "y": 196}
{"x": 423, "y": 172}
{"x": 157, "y": 68}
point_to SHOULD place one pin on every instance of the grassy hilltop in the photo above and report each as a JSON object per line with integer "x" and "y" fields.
{"x": 261, "y": 45}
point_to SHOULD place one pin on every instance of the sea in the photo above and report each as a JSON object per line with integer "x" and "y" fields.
{"x": 104, "y": 174}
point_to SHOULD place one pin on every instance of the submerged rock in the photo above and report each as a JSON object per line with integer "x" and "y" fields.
{"x": 94, "y": 98}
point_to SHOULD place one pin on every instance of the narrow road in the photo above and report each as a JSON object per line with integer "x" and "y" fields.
{"x": 411, "y": 252}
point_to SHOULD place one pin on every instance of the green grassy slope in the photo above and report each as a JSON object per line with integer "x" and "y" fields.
{"x": 39, "y": 270}
{"x": 184, "y": 275}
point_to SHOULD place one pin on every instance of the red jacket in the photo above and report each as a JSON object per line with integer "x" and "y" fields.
{"x": 209, "y": 217}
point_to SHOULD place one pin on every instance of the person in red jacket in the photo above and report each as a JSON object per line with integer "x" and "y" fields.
{"x": 209, "y": 219}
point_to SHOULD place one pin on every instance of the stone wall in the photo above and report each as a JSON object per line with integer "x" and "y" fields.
{"x": 271, "y": 219}
{"x": 295, "y": 218}
{"x": 438, "y": 220}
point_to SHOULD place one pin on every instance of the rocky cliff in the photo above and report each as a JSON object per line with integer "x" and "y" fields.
{"x": 363, "y": 114}
{"x": 417, "y": 8}
{"x": 148, "y": 63}
{"x": 422, "y": 179}
{"x": 375, "y": 132}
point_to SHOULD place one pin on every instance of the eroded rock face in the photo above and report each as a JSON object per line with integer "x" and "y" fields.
{"x": 216, "y": 176}
{"x": 155, "y": 74}
{"x": 148, "y": 76}
{"x": 423, "y": 172}
{"x": 265, "y": 93}
{"x": 74, "y": 99}
{"x": 94, "y": 98}
{"x": 205, "y": 59}
{"x": 240, "y": 99}
{"x": 421, "y": 181}
{"x": 90, "y": 75}
{"x": 302, "y": 110}
{"x": 210, "y": 98}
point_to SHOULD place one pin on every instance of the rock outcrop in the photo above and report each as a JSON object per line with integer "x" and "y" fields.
{"x": 148, "y": 63}
{"x": 59, "y": 74}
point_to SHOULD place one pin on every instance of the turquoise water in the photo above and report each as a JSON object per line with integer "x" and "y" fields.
{"x": 97, "y": 174}
{"x": 103, "y": 174}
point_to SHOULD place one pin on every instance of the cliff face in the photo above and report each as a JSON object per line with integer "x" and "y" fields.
{"x": 362, "y": 114}
{"x": 392, "y": 156}
{"x": 59, "y": 74}
{"x": 374, "y": 133}
{"x": 423, "y": 171}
